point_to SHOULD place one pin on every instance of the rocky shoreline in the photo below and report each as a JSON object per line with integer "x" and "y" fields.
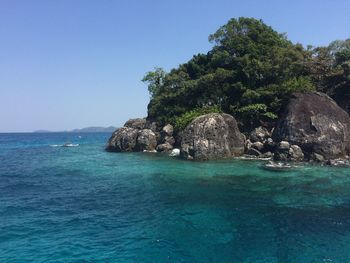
{"x": 311, "y": 127}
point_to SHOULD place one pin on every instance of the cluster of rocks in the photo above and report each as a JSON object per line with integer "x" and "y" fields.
{"x": 261, "y": 145}
{"x": 139, "y": 135}
{"x": 312, "y": 127}
{"x": 287, "y": 152}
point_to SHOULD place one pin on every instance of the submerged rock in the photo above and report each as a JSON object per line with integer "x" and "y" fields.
{"x": 212, "y": 136}
{"x": 317, "y": 124}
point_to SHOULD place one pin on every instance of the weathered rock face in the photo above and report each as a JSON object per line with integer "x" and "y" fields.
{"x": 212, "y": 136}
{"x": 295, "y": 153}
{"x": 138, "y": 123}
{"x": 317, "y": 124}
{"x": 146, "y": 140}
{"x": 141, "y": 135}
{"x": 259, "y": 134}
{"x": 168, "y": 130}
{"x": 123, "y": 140}
{"x": 128, "y": 139}
{"x": 164, "y": 147}
{"x": 260, "y": 143}
{"x": 287, "y": 152}
{"x": 132, "y": 137}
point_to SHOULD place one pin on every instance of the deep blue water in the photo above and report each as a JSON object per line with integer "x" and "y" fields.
{"x": 82, "y": 204}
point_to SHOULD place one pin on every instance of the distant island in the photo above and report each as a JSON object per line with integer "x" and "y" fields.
{"x": 84, "y": 130}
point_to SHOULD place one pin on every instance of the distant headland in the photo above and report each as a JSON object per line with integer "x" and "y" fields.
{"x": 84, "y": 130}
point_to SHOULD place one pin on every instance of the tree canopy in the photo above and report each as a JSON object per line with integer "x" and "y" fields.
{"x": 330, "y": 71}
{"x": 249, "y": 73}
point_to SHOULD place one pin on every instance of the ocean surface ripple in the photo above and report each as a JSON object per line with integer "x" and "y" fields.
{"x": 82, "y": 204}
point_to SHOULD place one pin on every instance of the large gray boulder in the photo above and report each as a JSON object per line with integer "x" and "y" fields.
{"x": 123, "y": 140}
{"x": 128, "y": 139}
{"x": 316, "y": 123}
{"x": 136, "y": 135}
{"x": 212, "y": 136}
{"x": 146, "y": 140}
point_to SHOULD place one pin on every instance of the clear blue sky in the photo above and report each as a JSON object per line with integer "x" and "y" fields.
{"x": 68, "y": 64}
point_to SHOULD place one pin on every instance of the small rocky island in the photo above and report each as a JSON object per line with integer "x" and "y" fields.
{"x": 255, "y": 93}
{"x": 312, "y": 127}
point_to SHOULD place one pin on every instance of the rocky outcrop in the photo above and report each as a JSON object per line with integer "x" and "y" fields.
{"x": 212, "y": 136}
{"x": 311, "y": 127}
{"x": 136, "y": 123}
{"x": 168, "y": 130}
{"x": 259, "y": 143}
{"x": 146, "y": 140}
{"x": 315, "y": 123}
{"x": 167, "y": 140}
{"x": 123, "y": 140}
{"x": 141, "y": 135}
{"x": 164, "y": 147}
{"x": 287, "y": 152}
{"x": 259, "y": 134}
{"x": 132, "y": 137}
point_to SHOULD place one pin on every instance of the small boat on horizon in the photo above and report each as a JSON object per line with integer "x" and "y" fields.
{"x": 70, "y": 145}
{"x": 67, "y": 144}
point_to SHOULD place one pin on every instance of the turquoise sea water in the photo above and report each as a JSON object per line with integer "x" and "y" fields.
{"x": 82, "y": 204}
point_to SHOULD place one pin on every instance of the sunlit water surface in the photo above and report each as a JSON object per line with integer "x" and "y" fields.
{"x": 81, "y": 203}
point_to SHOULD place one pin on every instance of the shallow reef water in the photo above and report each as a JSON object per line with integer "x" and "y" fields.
{"x": 82, "y": 204}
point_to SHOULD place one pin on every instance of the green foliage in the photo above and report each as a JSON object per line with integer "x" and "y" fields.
{"x": 250, "y": 72}
{"x": 155, "y": 80}
{"x": 299, "y": 84}
{"x": 329, "y": 69}
{"x": 182, "y": 121}
{"x": 255, "y": 110}
{"x": 253, "y": 113}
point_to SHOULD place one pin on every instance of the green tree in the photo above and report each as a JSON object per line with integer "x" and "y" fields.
{"x": 330, "y": 70}
{"x": 249, "y": 73}
{"x": 155, "y": 80}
